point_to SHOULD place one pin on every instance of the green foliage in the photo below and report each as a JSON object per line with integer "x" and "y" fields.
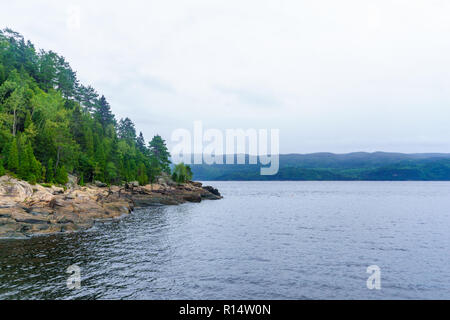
{"x": 32, "y": 179}
{"x": 61, "y": 175}
{"x": 81, "y": 182}
{"x": 182, "y": 173}
{"x": 2, "y": 169}
{"x": 142, "y": 175}
{"x": 46, "y": 185}
{"x": 339, "y": 167}
{"x": 48, "y": 117}
{"x": 160, "y": 154}
{"x": 50, "y": 172}
{"x": 13, "y": 156}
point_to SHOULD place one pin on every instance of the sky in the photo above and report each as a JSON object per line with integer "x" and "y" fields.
{"x": 335, "y": 76}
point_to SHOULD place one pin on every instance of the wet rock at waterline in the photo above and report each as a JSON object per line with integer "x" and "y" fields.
{"x": 27, "y": 210}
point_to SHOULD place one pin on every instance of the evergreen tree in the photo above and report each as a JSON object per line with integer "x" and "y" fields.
{"x": 43, "y": 174}
{"x": 2, "y": 169}
{"x": 88, "y": 97}
{"x": 127, "y": 130}
{"x": 24, "y": 159}
{"x": 140, "y": 143}
{"x": 182, "y": 173}
{"x": 158, "y": 150}
{"x": 103, "y": 112}
{"x": 13, "y": 156}
{"x": 50, "y": 172}
{"x": 111, "y": 172}
{"x": 142, "y": 175}
{"x": 61, "y": 176}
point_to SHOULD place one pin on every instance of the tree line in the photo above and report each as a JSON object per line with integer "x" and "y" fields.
{"x": 52, "y": 125}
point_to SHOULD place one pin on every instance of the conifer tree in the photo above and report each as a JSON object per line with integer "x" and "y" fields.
{"x": 142, "y": 175}
{"x": 103, "y": 112}
{"x": 61, "y": 176}
{"x": 140, "y": 143}
{"x": 50, "y": 173}
{"x": 158, "y": 150}
{"x": 2, "y": 169}
{"x": 13, "y": 156}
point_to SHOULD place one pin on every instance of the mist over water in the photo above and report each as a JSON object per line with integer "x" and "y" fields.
{"x": 264, "y": 240}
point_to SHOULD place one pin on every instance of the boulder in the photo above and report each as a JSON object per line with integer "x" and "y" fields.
{"x": 57, "y": 190}
{"x": 73, "y": 181}
{"x": 192, "y": 197}
{"x": 13, "y": 191}
{"x": 214, "y": 191}
{"x": 100, "y": 184}
{"x": 196, "y": 184}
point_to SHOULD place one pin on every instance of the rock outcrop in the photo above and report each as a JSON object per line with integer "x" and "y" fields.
{"x": 27, "y": 210}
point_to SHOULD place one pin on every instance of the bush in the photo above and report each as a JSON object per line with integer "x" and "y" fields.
{"x": 81, "y": 182}
{"x": 182, "y": 173}
{"x": 61, "y": 176}
{"x": 32, "y": 179}
{"x": 2, "y": 169}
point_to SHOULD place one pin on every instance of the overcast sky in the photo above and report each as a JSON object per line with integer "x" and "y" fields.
{"x": 336, "y": 76}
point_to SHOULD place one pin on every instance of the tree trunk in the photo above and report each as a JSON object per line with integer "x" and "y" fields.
{"x": 57, "y": 157}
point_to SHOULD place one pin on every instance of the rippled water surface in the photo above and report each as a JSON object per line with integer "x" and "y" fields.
{"x": 270, "y": 240}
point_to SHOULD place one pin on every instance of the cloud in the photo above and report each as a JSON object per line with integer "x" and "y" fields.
{"x": 249, "y": 97}
{"x": 332, "y": 76}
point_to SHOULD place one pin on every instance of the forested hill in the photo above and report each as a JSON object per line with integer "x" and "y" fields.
{"x": 328, "y": 166}
{"x": 51, "y": 125}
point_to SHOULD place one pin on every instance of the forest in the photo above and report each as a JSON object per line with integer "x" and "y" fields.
{"x": 357, "y": 166}
{"x": 52, "y": 125}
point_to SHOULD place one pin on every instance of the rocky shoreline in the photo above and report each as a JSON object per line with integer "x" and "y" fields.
{"x": 27, "y": 210}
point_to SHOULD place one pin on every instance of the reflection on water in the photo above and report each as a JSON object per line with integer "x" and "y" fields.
{"x": 271, "y": 240}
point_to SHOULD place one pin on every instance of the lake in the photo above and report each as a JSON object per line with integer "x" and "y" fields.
{"x": 264, "y": 240}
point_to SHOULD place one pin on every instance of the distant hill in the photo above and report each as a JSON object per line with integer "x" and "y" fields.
{"x": 328, "y": 166}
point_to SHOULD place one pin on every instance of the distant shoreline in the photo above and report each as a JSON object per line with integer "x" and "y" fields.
{"x": 358, "y": 166}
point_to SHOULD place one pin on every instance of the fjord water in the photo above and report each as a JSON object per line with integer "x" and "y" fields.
{"x": 264, "y": 240}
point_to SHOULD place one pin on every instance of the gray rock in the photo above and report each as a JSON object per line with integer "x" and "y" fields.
{"x": 213, "y": 190}
{"x": 100, "y": 184}
{"x": 134, "y": 184}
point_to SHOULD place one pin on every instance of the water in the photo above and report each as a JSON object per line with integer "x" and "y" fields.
{"x": 264, "y": 240}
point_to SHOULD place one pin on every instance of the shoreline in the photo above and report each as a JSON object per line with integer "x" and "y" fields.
{"x": 33, "y": 210}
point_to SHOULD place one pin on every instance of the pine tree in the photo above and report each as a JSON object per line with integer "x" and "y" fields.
{"x": 140, "y": 143}
{"x": 35, "y": 167}
{"x": 182, "y": 173}
{"x": 24, "y": 159}
{"x": 2, "y": 169}
{"x": 127, "y": 131}
{"x": 43, "y": 173}
{"x": 61, "y": 176}
{"x": 50, "y": 173}
{"x": 32, "y": 179}
{"x": 13, "y": 156}
{"x": 142, "y": 175}
{"x": 158, "y": 150}
{"x": 89, "y": 142}
{"x": 103, "y": 112}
